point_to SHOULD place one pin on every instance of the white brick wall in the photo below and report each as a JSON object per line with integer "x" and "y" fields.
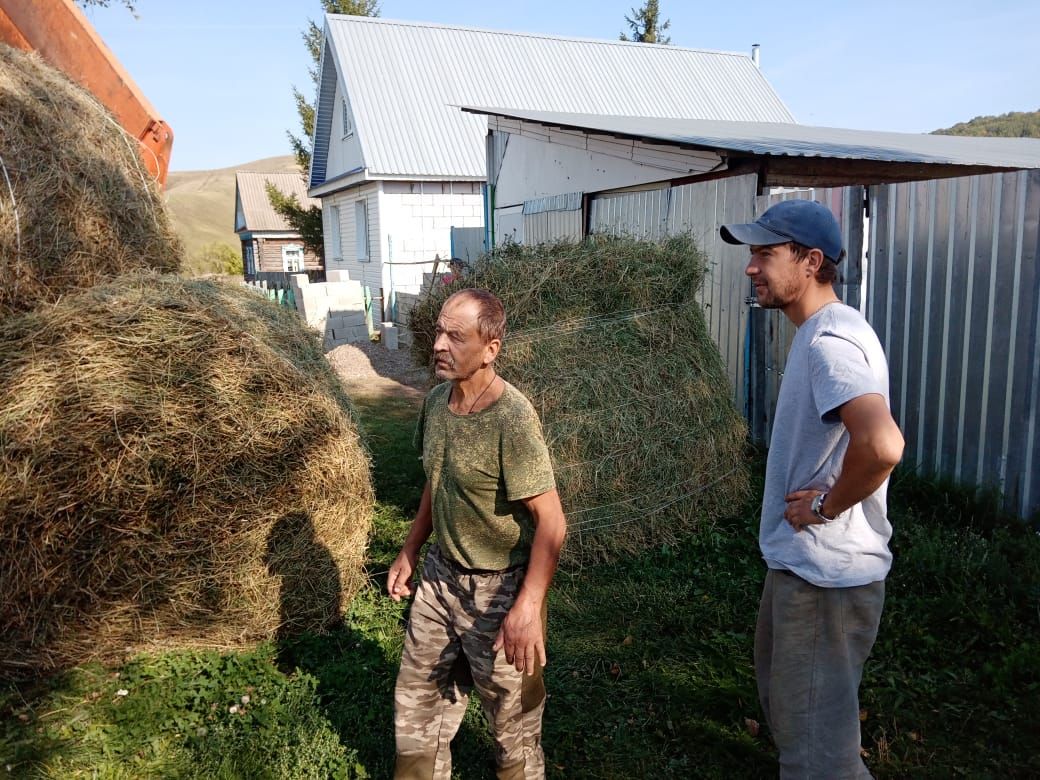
{"x": 419, "y": 228}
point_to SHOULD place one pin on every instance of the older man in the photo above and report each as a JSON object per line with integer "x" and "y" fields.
{"x": 478, "y": 618}
{"x": 824, "y": 530}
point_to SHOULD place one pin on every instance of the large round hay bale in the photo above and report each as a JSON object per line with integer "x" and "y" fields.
{"x": 608, "y": 340}
{"x": 178, "y": 467}
{"x": 76, "y": 203}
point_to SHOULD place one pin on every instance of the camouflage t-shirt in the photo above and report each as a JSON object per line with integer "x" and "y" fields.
{"x": 479, "y": 466}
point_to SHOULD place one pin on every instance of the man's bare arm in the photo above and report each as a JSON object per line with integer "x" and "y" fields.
{"x": 399, "y": 580}
{"x": 521, "y": 634}
{"x": 875, "y": 448}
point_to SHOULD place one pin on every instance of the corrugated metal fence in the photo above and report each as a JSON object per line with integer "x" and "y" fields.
{"x": 950, "y": 283}
{"x": 954, "y": 294}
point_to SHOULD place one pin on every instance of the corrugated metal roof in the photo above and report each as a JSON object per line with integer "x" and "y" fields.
{"x": 405, "y": 80}
{"x": 792, "y": 140}
{"x": 252, "y": 195}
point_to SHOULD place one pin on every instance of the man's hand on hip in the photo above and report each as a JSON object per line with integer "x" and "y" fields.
{"x": 521, "y": 636}
{"x": 399, "y": 580}
{"x": 799, "y": 509}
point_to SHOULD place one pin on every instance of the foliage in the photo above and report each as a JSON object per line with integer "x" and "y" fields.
{"x": 649, "y": 664}
{"x": 312, "y": 40}
{"x": 305, "y": 221}
{"x": 646, "y": 26}
{"x": 217, "y": 258}
{"x": 1014, "y": 124}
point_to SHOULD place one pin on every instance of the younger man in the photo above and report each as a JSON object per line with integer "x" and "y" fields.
{"x": 824, "y": 530}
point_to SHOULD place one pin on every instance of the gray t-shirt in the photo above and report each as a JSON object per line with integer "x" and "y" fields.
{"x": 835, "y": 357}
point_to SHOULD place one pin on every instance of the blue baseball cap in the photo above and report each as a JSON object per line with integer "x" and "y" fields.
{"x": 805, "y": 222}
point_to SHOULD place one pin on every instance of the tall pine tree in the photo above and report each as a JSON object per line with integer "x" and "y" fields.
{"x": 646, "y": 24}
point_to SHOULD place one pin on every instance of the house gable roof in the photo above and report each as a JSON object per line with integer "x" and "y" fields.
{"x": 253, "y": 210}
{"x": 405, "y": 81}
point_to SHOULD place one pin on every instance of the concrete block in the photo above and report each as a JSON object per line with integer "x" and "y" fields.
{"x": 388, "y": 335}
{"x": 338, "y": 275}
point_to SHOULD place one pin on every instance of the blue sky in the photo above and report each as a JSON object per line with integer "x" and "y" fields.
{"x": 221, "y": 71}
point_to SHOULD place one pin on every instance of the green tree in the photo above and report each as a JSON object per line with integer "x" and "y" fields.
{"x": 1014, "y": 124}
{"x": 305, "y": 221}
{"x": 218, "y": 258}
{"x": 312, "y": 40}
{"x": 646, "y": 24}
{"x": 106, "y": 3}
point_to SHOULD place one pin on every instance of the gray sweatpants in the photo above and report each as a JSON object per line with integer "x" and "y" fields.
{"x": 810, "y": 646}
{"x": 454, "y": 620}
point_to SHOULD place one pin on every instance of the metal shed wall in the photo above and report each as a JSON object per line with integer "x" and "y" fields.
{"x": 954, "y": 294}
{"x": 548, "y": 226}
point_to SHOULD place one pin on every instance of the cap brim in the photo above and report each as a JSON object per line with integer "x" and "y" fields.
{"x": 751, "y": 234}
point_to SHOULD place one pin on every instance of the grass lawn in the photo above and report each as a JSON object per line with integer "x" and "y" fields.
{"x": 649, "y": 665}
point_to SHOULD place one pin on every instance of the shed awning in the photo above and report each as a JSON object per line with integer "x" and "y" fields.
{"x": 792, "y": 154}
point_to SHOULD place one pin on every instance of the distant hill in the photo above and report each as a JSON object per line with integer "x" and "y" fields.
{"x": 202, "y": 206}
{"x": 1016, "y": 124}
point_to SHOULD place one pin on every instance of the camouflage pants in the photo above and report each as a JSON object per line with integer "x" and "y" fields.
{"x": 455, "y": 618}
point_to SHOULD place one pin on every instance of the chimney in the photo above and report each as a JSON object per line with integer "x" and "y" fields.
{"x": 756, "y": 56}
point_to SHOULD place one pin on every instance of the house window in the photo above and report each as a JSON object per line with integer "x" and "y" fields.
{"x": 335, "y": 238}
{"x": 348, "y": 124}
{"x": 361, "y": 229}
{"x": 292, "y": 258}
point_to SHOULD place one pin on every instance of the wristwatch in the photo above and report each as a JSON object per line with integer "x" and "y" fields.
{"x": 817, "y": 507}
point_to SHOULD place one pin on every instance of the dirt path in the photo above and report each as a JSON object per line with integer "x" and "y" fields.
{"x": 368, "y": 369}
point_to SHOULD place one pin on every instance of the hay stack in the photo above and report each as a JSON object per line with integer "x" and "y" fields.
{"x": 76, "y": 204}
{"x": 609, "y": 342}
{"x": 178, "y": 466}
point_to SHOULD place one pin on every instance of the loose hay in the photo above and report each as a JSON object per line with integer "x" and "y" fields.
{"x": 608, "y": 340}
{"x": 178, "y": 467}
{"x": 76, "y": 203}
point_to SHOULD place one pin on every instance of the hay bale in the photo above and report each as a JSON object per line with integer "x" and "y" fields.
{"x": 179, "y": 466}
{"x": 76, "y": 203}
{"x": 608, "y": 340}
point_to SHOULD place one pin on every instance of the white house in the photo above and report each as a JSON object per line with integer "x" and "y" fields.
{"x": 397, "y": 164}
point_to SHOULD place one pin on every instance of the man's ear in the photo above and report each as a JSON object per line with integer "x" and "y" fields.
{"x": 815, "y": 258}
{"x": 491, "y": 351}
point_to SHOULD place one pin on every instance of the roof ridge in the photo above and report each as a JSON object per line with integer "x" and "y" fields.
{"x": 520, "y": 34}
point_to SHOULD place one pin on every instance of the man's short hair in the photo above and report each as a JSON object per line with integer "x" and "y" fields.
{"x": 827, "y": 273}
{"x": 491, "y": 314}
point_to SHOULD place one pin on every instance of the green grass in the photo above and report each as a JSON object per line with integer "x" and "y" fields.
{"x": 649, "y": 665}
